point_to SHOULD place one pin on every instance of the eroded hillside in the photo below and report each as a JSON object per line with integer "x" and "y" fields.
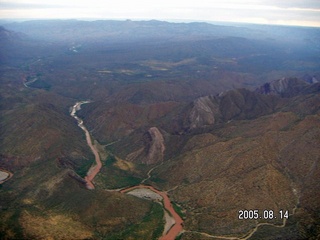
{"x": 219, "y": 119}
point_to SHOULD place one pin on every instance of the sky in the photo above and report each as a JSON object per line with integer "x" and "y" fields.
{"x": 280, "y": 12}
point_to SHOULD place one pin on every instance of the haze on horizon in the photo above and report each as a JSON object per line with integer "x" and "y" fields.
{"x": 293, "y": 12}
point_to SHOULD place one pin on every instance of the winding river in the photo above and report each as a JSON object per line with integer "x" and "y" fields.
{"x": 93, "y": 171}
{"x": 175, "y": 221}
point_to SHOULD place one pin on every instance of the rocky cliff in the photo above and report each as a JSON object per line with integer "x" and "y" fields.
{"x": 285, "y": 87}
{"x": 152, "y": 150}
{"x": 203, "y": 112}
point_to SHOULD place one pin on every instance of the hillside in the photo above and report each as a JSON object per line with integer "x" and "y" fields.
{"x": 251, "y": 164}
{"x": 230, "y": 148}
{"x": 218, "y": 119}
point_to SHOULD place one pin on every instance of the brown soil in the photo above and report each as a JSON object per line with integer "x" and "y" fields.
{"x": 177, "y": 227}
{"x": 94, "y": 170}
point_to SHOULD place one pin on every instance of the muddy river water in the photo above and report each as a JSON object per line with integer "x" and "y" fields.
{"x": 174, "y": 222}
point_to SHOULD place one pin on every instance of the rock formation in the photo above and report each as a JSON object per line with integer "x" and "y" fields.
{"x": 203, "y": 112}
{"x": 153, "y": 150}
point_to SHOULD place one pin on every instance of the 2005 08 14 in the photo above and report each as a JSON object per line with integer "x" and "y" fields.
{"x": 265, "y": 214}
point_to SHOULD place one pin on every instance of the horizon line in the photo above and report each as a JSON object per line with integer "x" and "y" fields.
{"x": 232, "y": 23}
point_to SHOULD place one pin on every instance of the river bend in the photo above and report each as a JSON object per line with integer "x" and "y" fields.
{"x": 176, "y": 221}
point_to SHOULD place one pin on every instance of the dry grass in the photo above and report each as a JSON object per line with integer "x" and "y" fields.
{"x": 124, "y": 165}
{"x": 252, "y": 164}
{"x": 53, "y": 226}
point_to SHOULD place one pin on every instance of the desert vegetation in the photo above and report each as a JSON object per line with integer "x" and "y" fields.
{"x": 234, "y": 112}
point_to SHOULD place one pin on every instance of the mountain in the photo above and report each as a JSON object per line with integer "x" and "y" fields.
{"x": 251, "y": 164}
{"x": 236, "y": 150}
{"x": 71, "y": 30}
{"x": 176, "y": 118}
{"x": 285, "y": 87}
{"x": 6, "y": 35}
{"x": 224, "y": 121}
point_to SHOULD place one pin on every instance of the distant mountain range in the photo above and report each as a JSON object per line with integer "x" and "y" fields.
{"x": 222, "y": 119}
{"x": 110, "y": 30}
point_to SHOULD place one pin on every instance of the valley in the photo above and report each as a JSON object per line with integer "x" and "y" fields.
{"x": 173, "y": 220}
{"x": 183, "y": 125}
{"x": 94, "y": 170}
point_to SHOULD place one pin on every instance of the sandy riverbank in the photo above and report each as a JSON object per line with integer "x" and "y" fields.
{"x": 5, "y": 175}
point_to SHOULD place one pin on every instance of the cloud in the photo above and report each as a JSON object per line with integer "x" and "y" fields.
{"x": 256, "y": 11}
{"x": 307, "y": 4}
{"x": 23, "y": 5}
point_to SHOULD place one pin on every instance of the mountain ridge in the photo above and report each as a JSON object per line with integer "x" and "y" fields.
{"x": 181, "y": 119}
{"x": 157, "y": 117}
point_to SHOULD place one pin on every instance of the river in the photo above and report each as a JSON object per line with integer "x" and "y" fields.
{"x": 93, "y": 171}
{"x": 175, "y": 228}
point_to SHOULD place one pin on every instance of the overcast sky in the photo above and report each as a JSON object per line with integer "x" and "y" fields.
{"x": 285, "y": 12}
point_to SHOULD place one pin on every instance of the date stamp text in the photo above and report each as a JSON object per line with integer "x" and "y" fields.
{"x": 262, "y": 214}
